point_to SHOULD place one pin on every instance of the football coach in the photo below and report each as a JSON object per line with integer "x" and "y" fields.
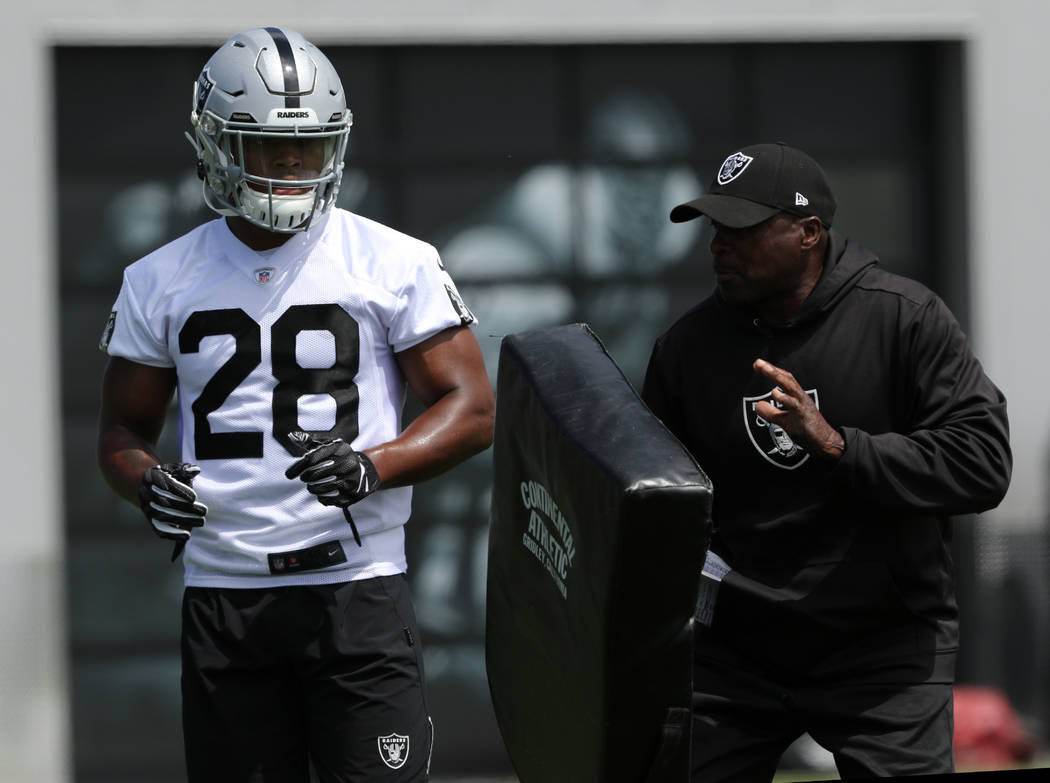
{"x": 843, "y": 419}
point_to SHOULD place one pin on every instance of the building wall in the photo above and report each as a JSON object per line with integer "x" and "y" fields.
{"x": 1006, "y": 63}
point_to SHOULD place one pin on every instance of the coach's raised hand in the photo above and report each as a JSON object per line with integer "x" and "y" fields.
{"x": 797, "y": 414}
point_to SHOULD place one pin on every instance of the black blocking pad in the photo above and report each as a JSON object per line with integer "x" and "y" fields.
{"x": 600, "y": 524}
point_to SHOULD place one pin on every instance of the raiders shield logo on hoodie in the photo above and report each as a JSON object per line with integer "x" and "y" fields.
{"x": 770, "y": 439}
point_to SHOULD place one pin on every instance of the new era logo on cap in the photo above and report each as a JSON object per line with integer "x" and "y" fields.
{"x": 756, "y": 182}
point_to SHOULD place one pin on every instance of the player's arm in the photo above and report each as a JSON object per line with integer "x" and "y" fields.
{"x": 447, "y": 374}
{"x": 135, "y": 399}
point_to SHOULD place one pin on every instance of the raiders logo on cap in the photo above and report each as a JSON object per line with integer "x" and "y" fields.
{"x": 733, "y": 167}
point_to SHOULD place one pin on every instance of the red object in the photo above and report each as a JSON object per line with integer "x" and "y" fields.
{"x": 988, "y": 732}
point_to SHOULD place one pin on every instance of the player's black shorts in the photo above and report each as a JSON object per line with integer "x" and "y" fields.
{"x": 277, "y": 680}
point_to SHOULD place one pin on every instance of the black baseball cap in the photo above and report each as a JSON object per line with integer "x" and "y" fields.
{"x": 759, "y": 181}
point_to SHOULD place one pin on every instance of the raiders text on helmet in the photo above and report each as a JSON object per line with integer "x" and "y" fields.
{"x": 268, "y": 83}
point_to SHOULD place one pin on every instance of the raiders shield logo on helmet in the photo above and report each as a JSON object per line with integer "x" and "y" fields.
{"x": 204, "y": 85}
{"x": 770, "y": 439}
{"x": 733, "y": 167}
{"x": 393, "y": 749}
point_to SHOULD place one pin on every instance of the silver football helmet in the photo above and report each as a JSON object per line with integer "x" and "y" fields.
{"x": 264, "y": 87}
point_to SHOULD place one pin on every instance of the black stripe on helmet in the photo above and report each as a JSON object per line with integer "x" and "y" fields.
{"x": 291, "y": 74}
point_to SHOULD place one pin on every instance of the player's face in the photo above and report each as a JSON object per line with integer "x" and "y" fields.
{"x": 292, "y": 158}
{"x": 761, "y": 266}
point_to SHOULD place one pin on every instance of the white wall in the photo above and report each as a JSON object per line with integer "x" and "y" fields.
{"x": 1009, "y": 160}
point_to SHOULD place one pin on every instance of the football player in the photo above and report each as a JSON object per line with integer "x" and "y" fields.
{"x": 288, "y": 330}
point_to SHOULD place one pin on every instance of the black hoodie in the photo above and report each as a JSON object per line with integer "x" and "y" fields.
{"x": 844, "y": 570}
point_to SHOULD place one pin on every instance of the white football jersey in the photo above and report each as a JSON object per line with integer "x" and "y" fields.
{"x": 264, "y": 344}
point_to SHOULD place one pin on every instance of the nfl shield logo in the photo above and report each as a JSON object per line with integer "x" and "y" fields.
{"x": 733, "y": 167}
{"x": 771, "y": 441}
{"x": 263, "y": 275}
{"x": 393, "y": 749}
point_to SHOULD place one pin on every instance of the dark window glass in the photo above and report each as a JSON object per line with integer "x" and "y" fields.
{"x": 544, "y": 175}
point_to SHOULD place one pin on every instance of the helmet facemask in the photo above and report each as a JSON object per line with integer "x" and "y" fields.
{"x": 242, "y": 177}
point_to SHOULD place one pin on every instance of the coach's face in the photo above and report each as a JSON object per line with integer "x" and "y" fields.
{"x": 767, "y": 267}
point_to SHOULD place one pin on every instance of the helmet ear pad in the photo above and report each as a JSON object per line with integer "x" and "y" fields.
{"x": 268, "y": 84}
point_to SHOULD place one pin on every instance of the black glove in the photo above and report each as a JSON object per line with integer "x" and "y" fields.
{"x": 169, "y": 502}
{"x": 335, "y": 473}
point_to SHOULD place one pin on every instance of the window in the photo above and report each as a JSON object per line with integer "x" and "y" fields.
{"x": 544, "y": 175}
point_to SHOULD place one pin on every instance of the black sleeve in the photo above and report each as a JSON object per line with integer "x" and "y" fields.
{"x": 955, "y": 456}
